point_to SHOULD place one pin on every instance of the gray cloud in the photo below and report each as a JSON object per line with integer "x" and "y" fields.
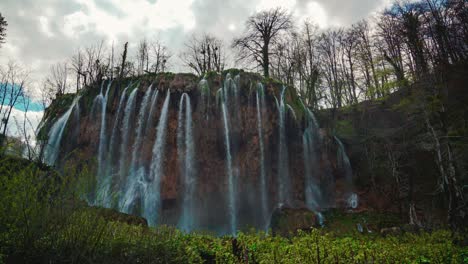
{"x": 346, "y": 12}
{"x": 38, "y": 46}
{"x": 109, "y": 7}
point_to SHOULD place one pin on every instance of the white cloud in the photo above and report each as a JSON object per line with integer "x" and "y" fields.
{"x": 123, "y": 17}
{"x": 16, "y": 125}
{"x": 313, "y": 12}
{"x": 44, "y": 22}
{"x": 268, "y": 4}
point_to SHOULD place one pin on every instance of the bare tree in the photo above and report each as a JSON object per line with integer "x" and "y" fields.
{"x": 90, "y": 66}
{"x": 123, "y": 65}
{"x": 262, "y": 30}
{"x": 310, "y": 68}
{"x": 58, "y": 78}
{"x": 349, "y": 43}
{"x": 391, "y": 45}
{"x": 203, "y": 54}
{"x": 143, "y": 57}
{"x": 330, "y": 50}
{"x": 12, "y": 82}
{"x": 160, "y": 57}
{"x": 77, "y": 63}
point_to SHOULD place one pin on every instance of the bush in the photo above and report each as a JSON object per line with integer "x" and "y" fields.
{"x": 42, "y": 222}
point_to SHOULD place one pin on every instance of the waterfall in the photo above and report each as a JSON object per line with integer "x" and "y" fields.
{"x": 292, "y": 112}
{"x": 102, "y": 134}
{"x": 128, "y": 115}
{"x": 141, "y": 128}
{"x": 231, "y": 94}
{"x": 152, "y": 195}
{"x": 52, "y": 148}
{"x": 345, "y": 165}
{"x": 104, "y": 185}
{"x": 343, "y": 161}
{"x": 310, "y": 140}
{"x": 97, "y": 100}
{"x": 283, "y": 170}
{"x": 205, "y": 97}
{"x": 231, "y": 182}
{"x": 136, "y": 173}
{"x": 263, "y": 187}
{"x": 115, "y": 129}
{"x": 186, "y": 152}
{"x": 152, "y": 112}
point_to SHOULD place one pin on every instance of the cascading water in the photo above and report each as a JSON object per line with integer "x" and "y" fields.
{"x": 231, "y": 181}
{"x": 205, "y": 97}
{"x": 136, "y": 172}
{"x": 152, "y": 192}
{"x": 140, "y": 178}
{"x": 140, "y": 132}
{"x": 128, "y": 115}
{"x": 186, "y": 153}
{"x": 52, "y": 148}
{"x": 345, "y": 165}
{"x": 283, "y": 170}
{"x": 152, "y": 112}
{"x": 115, "y": 129}
{"x": 227, "y": 98}
{"x": 102, "y": 143}
{"x": 104, "y": 186}
{"x": 310, "y": 143}
{"x": 291, "y": 112}
{"x": 260, "y": 96}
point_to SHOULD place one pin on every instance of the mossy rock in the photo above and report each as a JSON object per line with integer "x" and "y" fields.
{"x": 287, "y": 221}
{"x": 112, "y": 215}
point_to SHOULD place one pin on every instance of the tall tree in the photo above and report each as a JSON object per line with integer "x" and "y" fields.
{"x": 3, "y": 25}
{"x": 143, "y": 57}
{"x": 160, "y": 57}
{"x": 263, "y": 30}
{"x": 204, "y": 53}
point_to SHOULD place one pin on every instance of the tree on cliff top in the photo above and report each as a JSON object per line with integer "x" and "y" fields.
{"x": 204, "y": 53}
{"x": 3, "y": 25}
{"x": 263, "y": 30}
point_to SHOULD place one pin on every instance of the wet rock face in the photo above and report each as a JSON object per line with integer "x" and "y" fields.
{"x": 211, "y": 188}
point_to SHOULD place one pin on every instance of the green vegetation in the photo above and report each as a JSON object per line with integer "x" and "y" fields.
{"x": 345, "y": 128}
{"x": 232, "y": 71}
{"x": 43, "y": 222}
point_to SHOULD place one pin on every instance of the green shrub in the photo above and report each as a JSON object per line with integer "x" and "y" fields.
{"x": 43, "y": 222}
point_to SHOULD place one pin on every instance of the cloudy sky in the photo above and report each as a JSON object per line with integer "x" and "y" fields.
{"x": 41, "y": 33}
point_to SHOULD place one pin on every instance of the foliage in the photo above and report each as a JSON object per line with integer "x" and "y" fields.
{"x": 344, "y": 128}
{"x": 232, "y": 71}
{"x": 42, "y": 222}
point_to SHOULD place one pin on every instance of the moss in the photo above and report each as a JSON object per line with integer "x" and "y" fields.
{"x": 232, "y": 71}
{"x": 272, "y": 82}
{"x": 345, "y": 223}
{"x": 211, "y": 75}
{"x": 344, "y": 128}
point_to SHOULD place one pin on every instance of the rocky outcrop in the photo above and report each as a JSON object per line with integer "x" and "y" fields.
{"x": 287, "y": 221}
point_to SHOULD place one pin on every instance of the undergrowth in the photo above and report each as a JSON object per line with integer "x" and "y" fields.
{"x": 43, "y": 222}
